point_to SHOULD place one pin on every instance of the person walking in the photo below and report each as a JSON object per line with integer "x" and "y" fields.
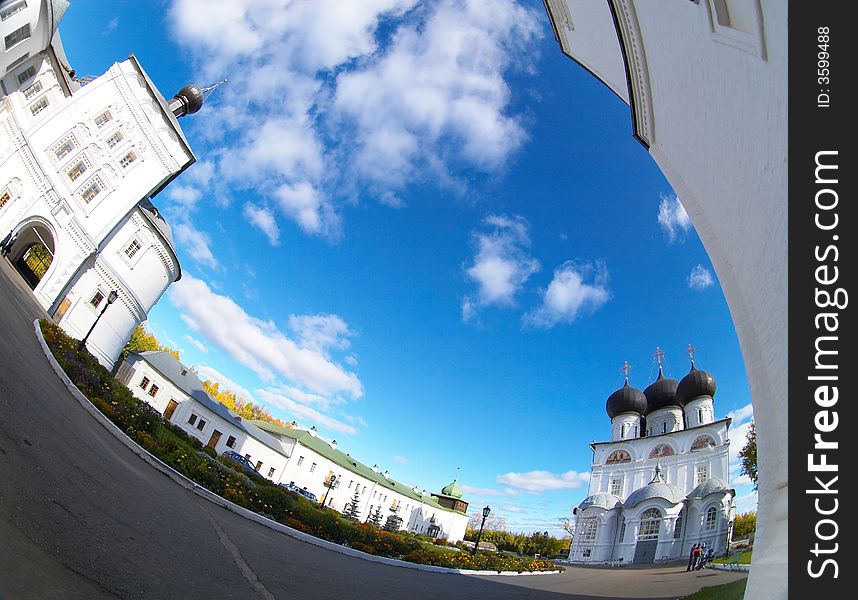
{"x": 692, "y": 557}
{"x": 701, "y": 557}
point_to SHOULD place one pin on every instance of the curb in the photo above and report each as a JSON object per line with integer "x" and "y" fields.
{"x": 730, "y": 567}
{"x": 199, "y": 490}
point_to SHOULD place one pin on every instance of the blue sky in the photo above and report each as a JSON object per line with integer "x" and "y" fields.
{"x": 423, "y": 229}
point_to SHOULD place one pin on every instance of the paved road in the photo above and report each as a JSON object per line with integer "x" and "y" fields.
{"x": 82, "y": 517}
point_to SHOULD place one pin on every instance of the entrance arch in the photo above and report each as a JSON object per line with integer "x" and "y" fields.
{"x": 648, "y": 531}
{"x": 32, "y": 251}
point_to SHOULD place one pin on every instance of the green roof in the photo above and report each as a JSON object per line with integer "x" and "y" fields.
{"x": 320, "y": 446}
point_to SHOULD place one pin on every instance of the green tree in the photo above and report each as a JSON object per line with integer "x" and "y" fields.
{"x": 375, "y": 517}
{"x": 352, "y": 509}
{"x": 748, "y": 454}
{"x": 744, "y": 525}
{"x": 393, "y": 523}
{"x": 142, "y": 340}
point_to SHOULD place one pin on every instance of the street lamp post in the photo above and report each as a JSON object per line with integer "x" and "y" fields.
{"x": 330, "y": 485}
{"x": 111, "y": 298}
{"x": 486, "y": 512}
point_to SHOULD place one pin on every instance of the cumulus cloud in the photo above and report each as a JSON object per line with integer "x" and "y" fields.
{"x": 265, "y": 220}
{"x": 321, "y": 332}
{"x": 196, "y": 344}
{"x": 196, "y": 242}
{"x": 700, "y": 278}
{"x": 541, "y": 481}
{"x": 740, "y": 415}
{"x": 673, "y": 219}
{"x": 207, "y": 373}
{"x": 259, "y": 345}
{"x": 746, "y": 502}
{"x": 327, "y": 97}
{"x": 489, "y": 492}
{"x": 501, "y": 265}
{"x": 574, "y": 290}
{"x": 310, "y": 415}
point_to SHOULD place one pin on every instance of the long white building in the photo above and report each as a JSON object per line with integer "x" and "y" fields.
{"x": 661, "y": 484}
{"x": 291, "y": 455}
{"x": 79, "y": 165}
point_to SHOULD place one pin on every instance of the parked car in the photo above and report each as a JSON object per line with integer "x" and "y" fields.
{"x": 242, "y": 460}
{"x": 299, "y": 490}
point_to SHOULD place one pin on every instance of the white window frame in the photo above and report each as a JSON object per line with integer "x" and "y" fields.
{"x": 650, "y": 526}
{"x": 26, "y": 75}
{"x": 18, "y": 36}
{"x": 105, "y": 113}
{"x": 710, "y": 519}
{"x": 128, "y": 159}
{"x": 136, "y": 254}
{"x": 64, "y": 142}
{"x": 39, "y": 105}
{"x": 118, "y": 131}
{"x": 94, "y": 181}
{"x": 98, "y": 291}
{"x": 617, "y": 486}
{"x": 12, "y": 8}
{"x": 723, "y": 33}
{"x": 701, "y": 470}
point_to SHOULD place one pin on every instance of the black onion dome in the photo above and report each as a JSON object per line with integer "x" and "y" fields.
{"x": 191, "y": 96}
{"x": 626, "y": 399}
{"x": 661, "y": 393}
{"x": 697, "y": 383}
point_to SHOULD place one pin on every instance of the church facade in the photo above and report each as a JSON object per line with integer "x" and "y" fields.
{"x": 80, "y": 161}
{"x": 660, "y": 485}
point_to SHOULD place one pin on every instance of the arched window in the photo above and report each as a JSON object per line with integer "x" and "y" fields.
{"x": 589, "y": 528}
{"x": 622, "y": 530}
{"x": 661, "y": 450}
{"x": 711, "y": 519}
{"x": 650, "y": 524}
{"x": 619, "y": 456}
{"x": 677, "y": 529}
{"x": 703, "y": 442}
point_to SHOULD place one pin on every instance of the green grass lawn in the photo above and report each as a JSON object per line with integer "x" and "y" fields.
{"x": 743, "y": 559}
{"x": 727, "y": 591}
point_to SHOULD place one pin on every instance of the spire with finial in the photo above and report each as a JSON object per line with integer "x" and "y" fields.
{"x": 626, "y": 368}
{"x": 690, "y": 351}
{"x": 658, "y": 355}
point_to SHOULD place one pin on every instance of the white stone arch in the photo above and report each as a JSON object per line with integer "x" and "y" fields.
{"x": 31, "y": 229}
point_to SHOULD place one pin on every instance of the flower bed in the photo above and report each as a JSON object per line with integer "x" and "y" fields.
{"x": 222, "y": 476}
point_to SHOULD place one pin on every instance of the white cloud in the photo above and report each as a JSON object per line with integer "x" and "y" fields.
{"x": 541, "y": 481}
{"x": 321, "y": 332}
{"x": 700, "y": 278}
{"x": 206, "y": 372}
{"x": 196, "y": 344}
{"x": 400, "y": 459}
{"x": 308, "y": 207}
{"x": 326, "y": 96}
{"x": 197, "y": 243}
{"x": 263, "y": 219}
{"x": 740, "y": 415}
{"x": 311, "y": 415}
{"x": 746, "y": 503}
{"x": 501, "y": 265}
{"x": 478, "y": 491}
{"x": 257, "y": 344}
{"x": 673, "y": 219}
{"x": 569, "y": 295}
{"x": 185, "y": 195}
{"x": 441, "y": 83}
{"x": 738, "y": 438}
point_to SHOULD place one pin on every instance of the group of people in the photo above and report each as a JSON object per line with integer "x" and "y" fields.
{"x": 699, "y": 556}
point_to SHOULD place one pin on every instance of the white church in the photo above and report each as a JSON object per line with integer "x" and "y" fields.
{"x": 661, "y": 484}
{"x": 80, "y": 163}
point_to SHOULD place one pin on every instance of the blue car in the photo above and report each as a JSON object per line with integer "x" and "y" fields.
{"x": 242, "y": 460}
{"x": 303, "y": 491}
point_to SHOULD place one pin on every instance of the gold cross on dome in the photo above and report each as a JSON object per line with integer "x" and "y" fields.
{"x": 658, "y": 355}
{"x": 690, "y": 351}
{"x": 626, "y": 368}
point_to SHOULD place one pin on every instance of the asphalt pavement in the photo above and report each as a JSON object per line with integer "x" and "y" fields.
{"x": 83, "y": 517}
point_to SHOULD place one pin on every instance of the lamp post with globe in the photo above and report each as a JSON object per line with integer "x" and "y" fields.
{"x": 486, "y": 512}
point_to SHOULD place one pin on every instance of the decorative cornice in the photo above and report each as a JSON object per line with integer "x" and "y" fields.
{"x": 637, "y": 72}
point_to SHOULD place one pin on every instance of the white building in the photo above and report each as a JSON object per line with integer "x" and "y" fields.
{"x": 79, "y": 165}
{"x": 706, "y": 81}
{"x": 290, "y": 455}
{"x": 661, "y": 484}
{"x": 176, "y": 392}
